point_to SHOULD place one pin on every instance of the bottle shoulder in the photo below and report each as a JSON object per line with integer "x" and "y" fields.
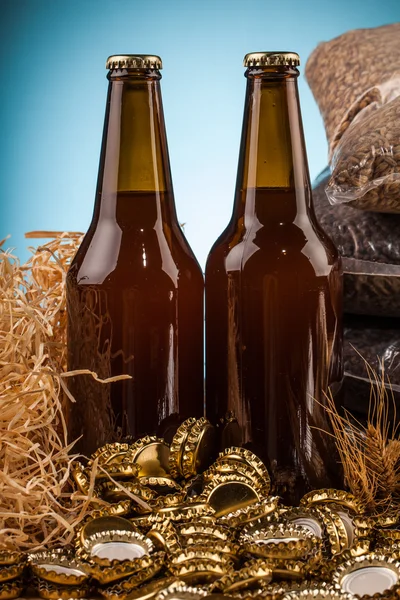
{"x": 276, "y": 247}
{"x": 109, "y": 255}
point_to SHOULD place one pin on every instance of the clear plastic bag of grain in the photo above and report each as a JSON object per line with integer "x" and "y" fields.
{"x": 355, "y": 79}
{"x": 369, "y": 243}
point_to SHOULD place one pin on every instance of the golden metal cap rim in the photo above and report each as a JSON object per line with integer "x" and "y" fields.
{"x": 331, "y": 495}
{"x": 10, "y": 572}
{"x": 251, "y": 459}
{"x": 317, "y": 593}
{"x": 133, "y": 61}
{"x": 121, "y": 588}
{"x": 58, "y": 568}
{"x": 113, "y": 573}
{"x": 11, "y": 589}
{"x": 178, "y": 589}
{"x": 51, "y": 591}
{"x": 109, "y": 537}
{"x": 359, "y": 563}
{"x": 271, "y": 59}
{"x": 253, "y": 512}
{"x": 11, "y": 557}
{"x": 177, "y": 447}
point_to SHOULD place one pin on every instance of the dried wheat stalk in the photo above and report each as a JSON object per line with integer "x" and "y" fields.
{"x": 371, "y": 454}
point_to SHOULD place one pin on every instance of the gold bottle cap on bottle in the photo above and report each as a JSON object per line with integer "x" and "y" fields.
{"x": 228, "y": 493}
{"x": 266, "y": 59}
{"x": 177, "y": 447}
{"x": 58, "y": 568}
{"x": 11, "y": 589}
{"x": 180, "y": 591}
{"x": 365, "y": 576}
{"x": 133, "y": 61}
{"x": 199, "y": 448}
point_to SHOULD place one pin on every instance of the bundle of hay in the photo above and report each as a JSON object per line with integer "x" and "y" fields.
{"x": 36, "y": 508}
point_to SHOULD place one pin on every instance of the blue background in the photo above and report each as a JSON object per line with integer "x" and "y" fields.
{"x": 54, "y": 90}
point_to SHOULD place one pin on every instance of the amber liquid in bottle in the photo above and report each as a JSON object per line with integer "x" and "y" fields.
{"x": 274, "y": 301}
{"x": 134, "y": 289}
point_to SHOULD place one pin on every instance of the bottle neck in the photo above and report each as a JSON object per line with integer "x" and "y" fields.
{"x": 134, "y": 154}
{"x": 272, "y": 153}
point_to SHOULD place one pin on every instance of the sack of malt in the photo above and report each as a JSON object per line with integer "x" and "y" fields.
{"x": 355, "y": 79}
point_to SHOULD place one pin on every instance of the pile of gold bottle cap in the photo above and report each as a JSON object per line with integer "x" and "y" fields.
{"x": 167, "y": 525}
{"x": 12, "y": 568}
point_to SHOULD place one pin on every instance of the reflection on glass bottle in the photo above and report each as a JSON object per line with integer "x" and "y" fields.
{"x": 134, "y": 289}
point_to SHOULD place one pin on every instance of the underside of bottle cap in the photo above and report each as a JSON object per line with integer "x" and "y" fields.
{"x": 133, "y": 61}
{"x": 267, "y": 59}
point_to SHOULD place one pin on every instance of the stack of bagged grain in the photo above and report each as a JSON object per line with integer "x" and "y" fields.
{"x": 355, "y": 79}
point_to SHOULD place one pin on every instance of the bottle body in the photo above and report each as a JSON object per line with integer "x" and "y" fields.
{"x": 134, "y": 289}
{"x": 273, "y": 307}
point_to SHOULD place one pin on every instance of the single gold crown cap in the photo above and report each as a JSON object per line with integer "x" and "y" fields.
{"x": 266, "y": 59}
{"x": 133, "y": 61}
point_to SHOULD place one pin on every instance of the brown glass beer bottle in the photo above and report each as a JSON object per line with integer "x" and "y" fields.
{"x": 134, "y": 288}
{"x": 274, "y": 296}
